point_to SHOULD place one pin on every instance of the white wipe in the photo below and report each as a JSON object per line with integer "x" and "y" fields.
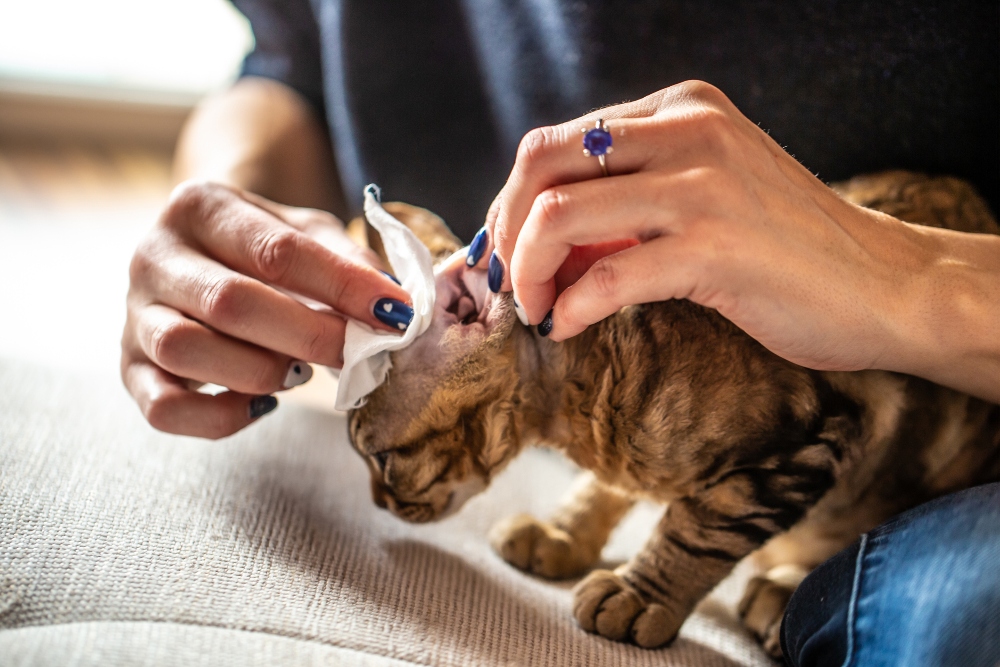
{"x": 366, "y": 351}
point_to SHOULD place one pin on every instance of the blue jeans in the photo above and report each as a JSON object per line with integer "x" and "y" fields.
{"x": 921, "y": 589}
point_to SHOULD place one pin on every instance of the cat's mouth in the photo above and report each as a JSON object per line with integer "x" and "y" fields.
{"x": 414, "y": 512}
{"x": 424, "y": 512}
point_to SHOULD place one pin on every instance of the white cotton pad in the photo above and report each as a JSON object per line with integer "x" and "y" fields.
{"x": 366, "y": 351}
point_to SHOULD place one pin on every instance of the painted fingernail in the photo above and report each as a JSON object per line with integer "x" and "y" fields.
{"x": 521, "y": 315}
{"x": 393, "y": 313}
{"x": 261, "y": 405}
{"x": 545, "y": 326}
{"x": 391, "y": 277}
{"x": 477, "y": 248}
{"x": 494, "y": 276}
{"x": 298, "y": 373}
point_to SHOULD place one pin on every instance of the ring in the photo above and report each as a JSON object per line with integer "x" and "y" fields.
{"x": 597, "y": 143}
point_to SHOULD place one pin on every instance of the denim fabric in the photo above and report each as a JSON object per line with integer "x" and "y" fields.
{"x": 921, "y": 589}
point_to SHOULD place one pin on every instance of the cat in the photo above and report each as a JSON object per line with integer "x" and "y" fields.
{"x": 673, "y": 403}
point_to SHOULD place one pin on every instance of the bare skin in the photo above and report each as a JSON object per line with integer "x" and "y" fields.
{"x": 702, "y": 204}
{"x": 209, "y": 298}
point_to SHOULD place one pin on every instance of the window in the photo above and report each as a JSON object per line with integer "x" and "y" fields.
{"x": 179, "y": 47}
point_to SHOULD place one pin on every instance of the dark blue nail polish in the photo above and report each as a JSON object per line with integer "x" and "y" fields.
{"x": 395, "y": 314}
{"x": 545, "y": 326}
{"x": 391, "y": 277}
{"x": 477, "y": 248}
{"x": 494, "y": 276}
{"x": 261, "y": 405}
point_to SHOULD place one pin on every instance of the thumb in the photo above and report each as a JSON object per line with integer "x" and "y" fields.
{"x": 654, "y": 271}
{"x": 581, "y": 258}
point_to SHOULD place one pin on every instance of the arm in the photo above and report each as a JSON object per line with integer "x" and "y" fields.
{"x": 702, "y": 204}
{"x": 262, "y": 136}
{"x": 948, "y": 330}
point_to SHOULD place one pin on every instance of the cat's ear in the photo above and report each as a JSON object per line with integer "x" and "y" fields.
{"x": 428, "y": 227}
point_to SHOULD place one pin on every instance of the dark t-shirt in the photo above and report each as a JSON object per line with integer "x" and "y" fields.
{"x": 429, "y": 99}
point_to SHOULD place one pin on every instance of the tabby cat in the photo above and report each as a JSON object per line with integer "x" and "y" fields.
{"x": 670, "y": 402}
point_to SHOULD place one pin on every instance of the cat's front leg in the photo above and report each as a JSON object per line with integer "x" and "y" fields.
{"x": 695, "y": 545}
{"x": 646, "y": 600}
{"x": 571, "y": 541}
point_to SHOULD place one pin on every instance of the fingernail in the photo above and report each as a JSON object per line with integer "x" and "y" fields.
{"x": 545, "y": 326}
{"x": 476, "y": 248}
{"x": 393, "y": 313}
{"x": 494, "y": 277}
{"x": 521, "y": 315}
{"x": 298, "y": 373}
{"x": 391, "y": 277}
{"x": 261, "y": 405}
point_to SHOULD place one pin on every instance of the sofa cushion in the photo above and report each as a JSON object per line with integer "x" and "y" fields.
{"x": 143, "y": 644}
{"x": 121, "y": 545}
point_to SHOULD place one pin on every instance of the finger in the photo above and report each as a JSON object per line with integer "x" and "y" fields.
{"x": 302, "y": 219}
{"x": 661, "y": 269}
{"x": 482, "y": 246}
{"x": 581, "y": 258}
{"x": 258, "y": 244}
{"x": 618, "y": 209}
{"x": 168, "y": 405}
{"x": 551, "y": 156}
{"x": 245, "y": 308}
{"x": 188, "y": 349}
{"x": 323, "y": 227}
{"x": 254, "y": 242}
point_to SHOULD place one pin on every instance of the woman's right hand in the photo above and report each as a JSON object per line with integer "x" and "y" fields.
{"x": 209, "y": 302}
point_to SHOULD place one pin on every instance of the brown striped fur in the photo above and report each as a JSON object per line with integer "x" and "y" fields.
{"x": 671, "y": 402}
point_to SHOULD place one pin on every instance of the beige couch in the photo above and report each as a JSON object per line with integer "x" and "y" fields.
{"x": 123, "y": 546}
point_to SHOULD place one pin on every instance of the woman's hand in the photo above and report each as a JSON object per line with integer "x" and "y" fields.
{"x": 209, "y": 301}
{"x": 702, "y": 204}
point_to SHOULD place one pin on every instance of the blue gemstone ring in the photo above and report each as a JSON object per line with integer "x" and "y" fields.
{"x": 597, "y": 143}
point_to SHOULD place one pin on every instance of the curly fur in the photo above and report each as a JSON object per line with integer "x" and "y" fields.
{"x": 671, "y": 402}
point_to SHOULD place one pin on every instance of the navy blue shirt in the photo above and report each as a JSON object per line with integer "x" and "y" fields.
{"x": 430, "y": 98}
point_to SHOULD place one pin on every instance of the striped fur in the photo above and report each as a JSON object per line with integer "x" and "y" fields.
{"x": 671, "y": 402}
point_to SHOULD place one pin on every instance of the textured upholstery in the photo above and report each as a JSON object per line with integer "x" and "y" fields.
{"x": 120, "y": 545}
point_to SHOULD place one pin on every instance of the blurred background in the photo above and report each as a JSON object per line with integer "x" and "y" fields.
{"x": 92, "y": 97}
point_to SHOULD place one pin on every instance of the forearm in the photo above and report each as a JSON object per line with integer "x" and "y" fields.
{"x": 950, "y": 333}
{"x": 262, "y": 136}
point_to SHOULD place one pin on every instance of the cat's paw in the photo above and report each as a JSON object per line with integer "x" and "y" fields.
{"x": 539, "y": 547}
{"x": 605, "y": 604}
{"x": 764, "y": 602}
